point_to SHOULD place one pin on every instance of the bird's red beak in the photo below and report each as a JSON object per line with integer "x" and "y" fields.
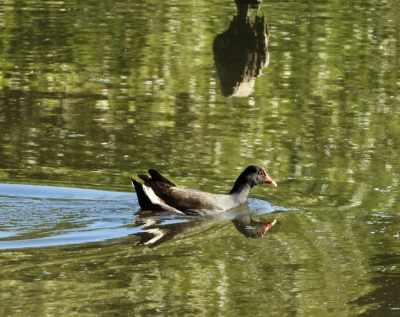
{"x": 269, "y": 180}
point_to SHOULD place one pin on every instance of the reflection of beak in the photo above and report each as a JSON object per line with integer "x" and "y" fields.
{"x": 268, "y": 225}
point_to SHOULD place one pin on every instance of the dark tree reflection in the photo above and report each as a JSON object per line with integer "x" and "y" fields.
{"x": 241, "y": 52}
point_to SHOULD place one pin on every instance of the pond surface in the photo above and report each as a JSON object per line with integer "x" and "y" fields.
{"x": 93, "y": 93}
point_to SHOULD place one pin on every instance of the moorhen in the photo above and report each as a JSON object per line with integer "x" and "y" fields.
{"x": 160, "y": 194}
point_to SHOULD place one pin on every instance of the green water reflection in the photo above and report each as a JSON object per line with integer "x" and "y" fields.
{"x": 95, "y": 92}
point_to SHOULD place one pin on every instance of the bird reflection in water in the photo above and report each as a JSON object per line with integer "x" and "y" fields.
{"x": 251, "y": 228}
{"x": 241, "y": 52}
{"x": 158, "y": 228}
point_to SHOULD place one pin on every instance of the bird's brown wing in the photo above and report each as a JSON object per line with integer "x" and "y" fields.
{"x": 156, "y": 176}
{"x": 149, "y": 201}
{"x": 180, "y": 198}
{"x": 187, "y": 199}
{"x": 158, "y": 183}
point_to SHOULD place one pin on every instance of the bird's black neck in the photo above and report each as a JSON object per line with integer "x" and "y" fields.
{"x": 240, "y": 190}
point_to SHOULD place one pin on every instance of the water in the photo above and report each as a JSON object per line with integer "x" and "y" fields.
{"x": 58, "y": 216}
{"x": 94, "y": 93}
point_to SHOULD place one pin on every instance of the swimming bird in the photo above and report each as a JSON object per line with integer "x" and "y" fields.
{"x": 160, "y": 194}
